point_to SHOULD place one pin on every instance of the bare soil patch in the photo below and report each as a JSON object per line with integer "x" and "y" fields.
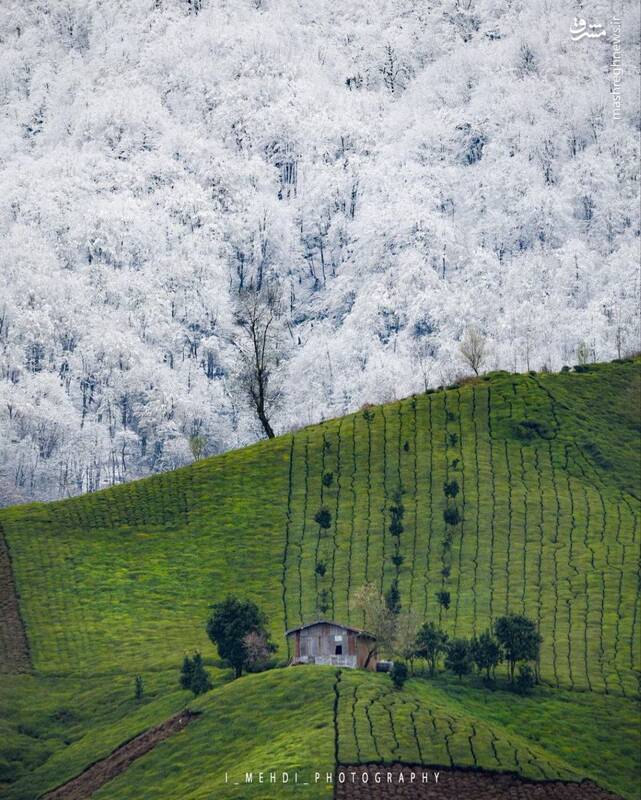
{"x": 458, "y": 784}
{"x": 14, "y": 646}
{"x": 95, "y": 776}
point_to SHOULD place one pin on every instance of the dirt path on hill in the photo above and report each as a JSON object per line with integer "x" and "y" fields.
{"x": 99, "y": 773}
{"x": 14, "y": 646}
{"x": 457, "y": 784}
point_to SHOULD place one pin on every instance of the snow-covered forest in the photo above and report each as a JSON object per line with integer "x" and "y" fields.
{"x": 384, "y": 176}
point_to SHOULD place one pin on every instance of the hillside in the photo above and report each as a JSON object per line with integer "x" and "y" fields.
{"x": 119, "y": 583}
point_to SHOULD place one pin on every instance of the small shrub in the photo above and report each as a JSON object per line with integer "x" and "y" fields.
{"x": 581, "y": 367}
{"x": 324, "y": 518}
{"x": 396, "y": 527}
{"x": 451, "y": 488}
{"x": 368, "y": 416}
{"x": 450, "y": 416}
{"x": 200, "y": 680}
{"x": 398, "y": 674}
{"x": 451, "y": 516}
{"x": 185, "y": 673}
{"x": 194, "y": 676}
{"x": 139, "y": 688}
{"x": 444, "y": 598}
{"x": 565, "y": 368}
{"x": 323, "y": 601}
{"x": 328, "y": 479}
{"x": 445, "y": 572}
{"x": 406, "y": 446}
{"x": 397, "y": 559}
{"x": 393, "y": 598}
{"x": 454, "y": 463}
{"x": 397, "y": 510}
{"x": 320, "y": 569}
{"x": 452, "y": 439}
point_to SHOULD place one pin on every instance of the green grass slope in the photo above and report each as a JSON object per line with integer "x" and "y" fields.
{"x": 300, "y": 720}
{"x": 120, "y": 582}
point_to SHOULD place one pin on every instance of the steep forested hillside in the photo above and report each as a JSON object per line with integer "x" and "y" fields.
{"x": 547, "y": 523}
{"x": 394, "y": 171}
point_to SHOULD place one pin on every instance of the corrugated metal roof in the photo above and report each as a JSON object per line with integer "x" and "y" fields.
{"x": 359, "y": 631}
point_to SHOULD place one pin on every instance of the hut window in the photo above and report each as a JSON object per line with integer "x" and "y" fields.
{"x": 339, "y": 649}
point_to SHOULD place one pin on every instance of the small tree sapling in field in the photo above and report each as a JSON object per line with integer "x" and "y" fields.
{"x": 393, "y": 598}
{"x": 431, "y": 643}
{"x": 139, "y": 689}
{"x": 186, "y": 672}
{"x": 323, "y": 601}
{"x": 451, "y": 516}
{"x": 450, "y": 488}
{"x": 194, "y": 676}
{"x": 324, "y": 518}
{"x": 519, "y": 639}
{"x": 444, "y": 598}
{"x": 458, "y": 658}
{"x": 405, "y": 645}
{"x": 486, "y": 653}
{"x": 398, "y": 674}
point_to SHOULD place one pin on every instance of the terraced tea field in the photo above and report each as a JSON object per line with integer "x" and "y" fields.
{"x": 545, "y": 521}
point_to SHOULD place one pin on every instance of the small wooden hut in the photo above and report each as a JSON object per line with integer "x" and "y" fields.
{"x": 325, "y": 642}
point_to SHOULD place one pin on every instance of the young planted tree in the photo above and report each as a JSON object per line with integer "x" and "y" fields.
{"x": 431, "y": 643}
{"x": 486, "y": 653}
{"x": 186, "y": 672}
{"x": 194, "y": 676}
{"x": 231, "y": 621}
{"x": 450, "y": 488}
{"x": 519, "y": 639}
{"x": 399, "y": 674}
{"x": 458, "y": 658}
{"x": 444, "y": 598}
{"x": 200, "y": 679}
{"x": 393, "y": 598}
{"x": 260, "y": 345}
{"x": 405, "y": 640}
{"x": 473, "y": 348}
{"x": 378, "y": 620}
{"x": 324, "y": 518}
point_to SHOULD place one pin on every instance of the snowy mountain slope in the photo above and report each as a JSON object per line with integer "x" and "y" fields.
{"x": 400, "y": 171}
